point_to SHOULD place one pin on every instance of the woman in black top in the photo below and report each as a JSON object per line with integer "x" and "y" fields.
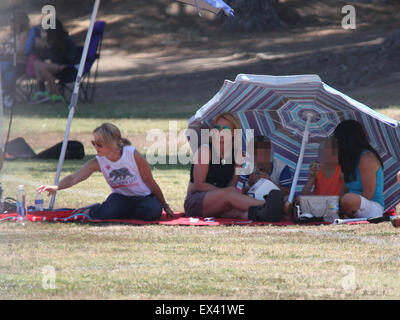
{"x": 211, "y": 191}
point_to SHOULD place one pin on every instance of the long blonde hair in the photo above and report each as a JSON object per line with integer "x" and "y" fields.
{"x": 228, "y": 116}
{"x": 110, "y": 133}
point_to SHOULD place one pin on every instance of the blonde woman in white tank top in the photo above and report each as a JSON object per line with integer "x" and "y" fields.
{"x": 134, "y": 192}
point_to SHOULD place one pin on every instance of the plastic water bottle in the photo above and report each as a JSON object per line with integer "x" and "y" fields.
{"x": 332, "y": 211}
{"x": 39, "y": 202}
{"x": 244, "y": 175}
{"x": 21, "y": 205}
{"x": 1, "y": 199}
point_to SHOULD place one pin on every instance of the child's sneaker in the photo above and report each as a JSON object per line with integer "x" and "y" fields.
{"x": 56, "y": 98}
{"x": 40, "y": 97}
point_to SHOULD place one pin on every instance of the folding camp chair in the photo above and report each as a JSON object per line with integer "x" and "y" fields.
{"x": 67, "y": 77}
{"x": 26, "y": 85}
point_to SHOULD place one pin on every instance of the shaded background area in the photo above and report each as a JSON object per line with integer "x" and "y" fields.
{"x": 157, "y": 50}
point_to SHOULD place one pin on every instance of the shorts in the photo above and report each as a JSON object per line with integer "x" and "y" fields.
{"x": 193, "y": 205}
{"x": 369, "y": 209}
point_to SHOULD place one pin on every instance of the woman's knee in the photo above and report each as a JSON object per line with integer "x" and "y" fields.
{"x": 350, "y": 203}
{"x": 230, "y": 192}
{"x": 111, "y": 208}
{"x": 150, "y": 210}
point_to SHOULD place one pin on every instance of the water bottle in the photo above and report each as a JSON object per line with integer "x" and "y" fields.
{"x": 245, "y": 172}
{"x": 332, "y": 211}
{"x": 39, "y": 202}
{"x": 1, "y": 199}
{"x": 21, "y": 205}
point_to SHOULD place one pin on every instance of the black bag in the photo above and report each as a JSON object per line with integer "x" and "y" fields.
{"x": 75, "y": 150}
{"x": 271, "y": 210}
{"x": 19, "y": 149}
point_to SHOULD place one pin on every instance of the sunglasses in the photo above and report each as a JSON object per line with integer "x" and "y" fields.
{"x": 218, "y": 127}
{"x": 96, "y": 144}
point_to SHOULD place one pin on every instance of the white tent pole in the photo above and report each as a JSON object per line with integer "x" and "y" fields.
{"x": 301, "y": 156}
{"x": 1, "y": 117}
{"x": 74, "y": 98}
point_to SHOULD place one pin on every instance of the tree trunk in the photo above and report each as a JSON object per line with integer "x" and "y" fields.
{"x": 253, "y": 15}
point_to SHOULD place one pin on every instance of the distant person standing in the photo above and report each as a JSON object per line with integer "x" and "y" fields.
{"x": 9, "y": 74}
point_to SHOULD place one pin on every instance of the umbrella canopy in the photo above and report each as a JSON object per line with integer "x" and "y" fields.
{"x": 214, "y": 6}
{"x": 296, "y": 112}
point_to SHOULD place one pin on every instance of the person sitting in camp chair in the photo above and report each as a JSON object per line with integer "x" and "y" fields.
{"x": 8, "y": 72}
{"x": 135, "y": 193}
{"x": 325, "y": 178}
{"x": 60, "y": 53}
{"x": 274, "y": 170}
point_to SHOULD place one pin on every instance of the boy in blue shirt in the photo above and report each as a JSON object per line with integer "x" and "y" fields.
{"x": 276, "y": 170}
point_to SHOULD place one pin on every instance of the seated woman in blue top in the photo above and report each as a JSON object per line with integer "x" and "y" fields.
{"x": 363, "y": 172}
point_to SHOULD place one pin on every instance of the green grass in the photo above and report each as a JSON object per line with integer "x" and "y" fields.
{"x": 174, "y": 262}
{"x": 131, "y": 262}
{"x": 130, "y": 118}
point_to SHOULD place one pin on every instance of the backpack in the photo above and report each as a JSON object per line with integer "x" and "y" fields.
{"x": 20, "y": 149}
{"x": 75, "y": 150}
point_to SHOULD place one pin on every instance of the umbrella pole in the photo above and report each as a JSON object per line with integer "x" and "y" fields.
{"x": 13, "y": 91}
{"x": 74, "y": 99}
{"x": 301, "y": 156}
{"x": 14, "y": 27}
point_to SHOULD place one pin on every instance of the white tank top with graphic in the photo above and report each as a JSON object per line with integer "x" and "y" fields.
{"x": 123, "y": 175}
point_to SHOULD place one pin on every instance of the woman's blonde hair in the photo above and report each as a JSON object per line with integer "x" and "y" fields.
{"x": 229, "y": 116}
{"x": 110, "y": 133}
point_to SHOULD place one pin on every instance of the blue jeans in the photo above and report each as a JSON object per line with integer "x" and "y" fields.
{"x": 118, "y": 206}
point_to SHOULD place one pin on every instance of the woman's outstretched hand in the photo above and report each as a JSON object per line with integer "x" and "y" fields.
{"x": 50, "y": 189}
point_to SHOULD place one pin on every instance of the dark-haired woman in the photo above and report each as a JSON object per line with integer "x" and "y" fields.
{"x": 135, "y": 193}
{"x": 60, "y": 52}
{"x": 362, "y": 168}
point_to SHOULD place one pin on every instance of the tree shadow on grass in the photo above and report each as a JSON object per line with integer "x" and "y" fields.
{"x": 111, "y": 110}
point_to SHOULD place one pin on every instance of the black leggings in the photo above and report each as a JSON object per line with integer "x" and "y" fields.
{"x": 118, "y": 206}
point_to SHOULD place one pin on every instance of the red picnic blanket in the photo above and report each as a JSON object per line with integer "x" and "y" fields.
{"x": 180, "y": 219}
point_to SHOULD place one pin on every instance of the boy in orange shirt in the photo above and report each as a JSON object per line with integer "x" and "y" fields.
{"x": 327, "y": 178}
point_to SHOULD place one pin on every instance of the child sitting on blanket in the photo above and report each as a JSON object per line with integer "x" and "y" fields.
{"x": 326, "y": 178}
{"x": 276, "y": 171}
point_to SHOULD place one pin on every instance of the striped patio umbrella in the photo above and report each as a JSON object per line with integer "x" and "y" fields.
{"x": 296, "y": 112}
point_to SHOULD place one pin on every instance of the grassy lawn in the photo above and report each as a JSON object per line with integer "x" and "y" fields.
{"x": 152, "y": 262}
